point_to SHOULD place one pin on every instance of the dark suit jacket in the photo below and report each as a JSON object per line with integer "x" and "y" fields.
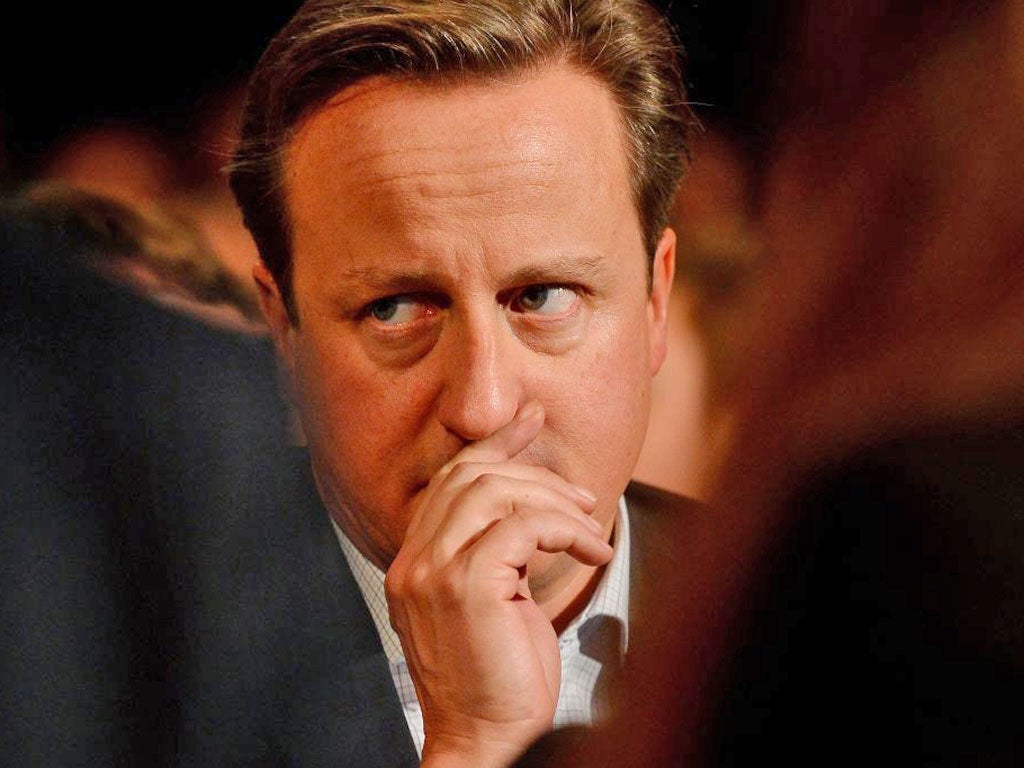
{"x": 314, "y": 687}
{"x": 137, "y": 445}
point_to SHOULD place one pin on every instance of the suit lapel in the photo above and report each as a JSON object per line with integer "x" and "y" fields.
{"x": 657, "y": 521}
{"x": 340, "y": 704}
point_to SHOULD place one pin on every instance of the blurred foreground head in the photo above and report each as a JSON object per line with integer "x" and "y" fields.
{"x": 135, "y": 439}
{"x": 856, "y": 592}
{"x": 147, "y": 249}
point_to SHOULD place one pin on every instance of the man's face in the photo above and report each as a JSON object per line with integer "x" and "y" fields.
{"x": 459, "y": 252}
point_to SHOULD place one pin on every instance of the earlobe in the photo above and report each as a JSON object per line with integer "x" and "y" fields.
{"x": 274, "y": 312}
{"x": 663, "y": 270}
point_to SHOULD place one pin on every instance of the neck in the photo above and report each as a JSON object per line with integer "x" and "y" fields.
{"x": 567, "y": 586}
{"x": 575, "y": 598}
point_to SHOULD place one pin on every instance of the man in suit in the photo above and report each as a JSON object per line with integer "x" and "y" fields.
{"x": 461, "y": 210}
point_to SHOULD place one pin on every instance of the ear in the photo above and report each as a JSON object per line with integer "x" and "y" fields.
{"x": 663, "y": 271}
{"x": 276, "y": 314}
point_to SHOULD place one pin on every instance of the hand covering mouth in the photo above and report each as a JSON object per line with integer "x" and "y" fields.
{"x": 526, "y": 458}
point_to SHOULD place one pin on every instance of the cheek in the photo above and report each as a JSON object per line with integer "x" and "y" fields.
{"x": 320, "y": 379}
{"x": 339, "y": 406}
{"x": 359, "y": 424}
{"x": 601, "y": 410}
{"x": 616, "y": 395}
{"x": 353, "y": 411}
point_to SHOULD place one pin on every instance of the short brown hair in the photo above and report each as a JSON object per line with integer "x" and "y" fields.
{"x": 331, "y": 44}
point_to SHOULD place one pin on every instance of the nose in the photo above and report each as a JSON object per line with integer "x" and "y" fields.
{"x": 483, "y": 379}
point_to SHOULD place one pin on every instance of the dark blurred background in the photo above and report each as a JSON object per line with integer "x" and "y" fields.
{"x": 71, "y": 65}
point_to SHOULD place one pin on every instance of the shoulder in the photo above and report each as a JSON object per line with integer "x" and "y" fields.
{"x": 648, "y": 499}
{"x": 662, "y": 526}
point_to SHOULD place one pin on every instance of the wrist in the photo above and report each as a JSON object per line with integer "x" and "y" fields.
{"x": 496, "y": 750}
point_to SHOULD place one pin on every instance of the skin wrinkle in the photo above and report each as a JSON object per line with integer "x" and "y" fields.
{"x": 457, "y": 187}
{"x": 395, "y": 179}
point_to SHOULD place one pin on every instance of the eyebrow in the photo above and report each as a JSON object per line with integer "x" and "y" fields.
{"x": 565, "y": 268}
{"x": 562, "y": 268}
{"x": 378, "y": 280}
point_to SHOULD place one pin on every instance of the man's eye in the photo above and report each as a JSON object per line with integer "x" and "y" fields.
{"x": 545, "y": 299}
{"x": 395, "y": 310}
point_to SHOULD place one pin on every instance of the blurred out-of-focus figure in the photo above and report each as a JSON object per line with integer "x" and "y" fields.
{"x": 147, "y": 248}
{"x": 718, "y": 256}
{"x": 205, "y": 196}
{"x": 137, "y": 469}
{"x": 855, "y": 595}
{"x": 128, "y": 162}
{"x": 169, "y": 176}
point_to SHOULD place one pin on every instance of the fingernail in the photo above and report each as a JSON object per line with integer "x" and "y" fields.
{"x": 584, "y": 494}
{"x": 529, "y": 411}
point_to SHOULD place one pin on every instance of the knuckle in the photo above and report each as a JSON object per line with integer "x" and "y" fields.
{"x": 406, "y": 581}
{"x": 419, "y": 578}
{"x": 486, "y": 481}
{"x": 463, "y": 472}
{"x": 394, "y": 584}
{"x": 520, "y": 515}
{"x": 449, "y": 584}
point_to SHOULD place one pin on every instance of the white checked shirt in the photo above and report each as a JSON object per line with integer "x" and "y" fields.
{"x": 576, "y": 700}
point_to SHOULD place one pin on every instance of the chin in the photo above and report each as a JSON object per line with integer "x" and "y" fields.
{"x": 545, "y": 568}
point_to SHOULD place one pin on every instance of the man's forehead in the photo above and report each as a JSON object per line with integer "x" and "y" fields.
{"x": 514, "y": 118}
{"x": 399, "y": 164}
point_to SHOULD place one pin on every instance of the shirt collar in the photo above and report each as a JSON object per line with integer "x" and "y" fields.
{"x": 611, "y": 598}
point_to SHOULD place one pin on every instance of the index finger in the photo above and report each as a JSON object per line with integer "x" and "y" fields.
{"x": 500, "y": 446}
{"x": 505, "y": 443}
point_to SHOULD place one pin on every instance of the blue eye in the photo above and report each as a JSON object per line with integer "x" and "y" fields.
{"x": 534, "y": 297}
{"x": 384, "y": 309}
{"x": 546, "y": 299}
{"x": 395, "y": 310}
